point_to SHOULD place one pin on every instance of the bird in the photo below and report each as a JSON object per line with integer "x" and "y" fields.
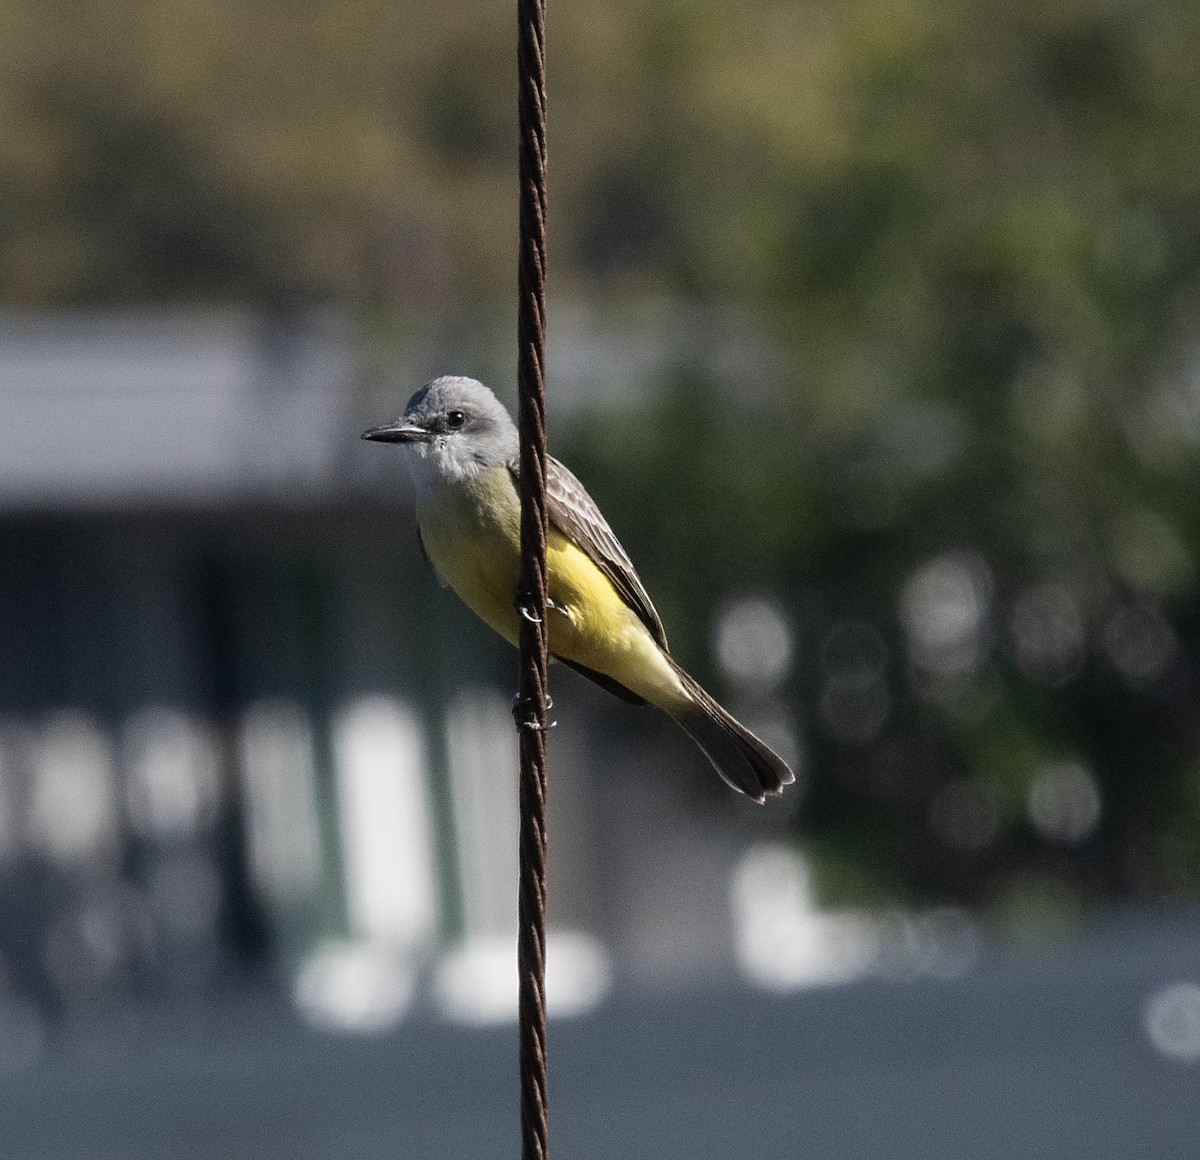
{"x": 461, "y": 449}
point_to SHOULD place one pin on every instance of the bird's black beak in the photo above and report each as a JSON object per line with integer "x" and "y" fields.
{"x": 398, "y": 432}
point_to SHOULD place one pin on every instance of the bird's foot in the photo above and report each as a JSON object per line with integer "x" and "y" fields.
{"x": 523, "y": 714}
{"x": 524, "y": 606}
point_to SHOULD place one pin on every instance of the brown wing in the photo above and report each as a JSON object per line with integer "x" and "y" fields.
{"x": 574, "y": 513}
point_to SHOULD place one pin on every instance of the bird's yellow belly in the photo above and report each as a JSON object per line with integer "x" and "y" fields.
{"x": 475, "y": 547}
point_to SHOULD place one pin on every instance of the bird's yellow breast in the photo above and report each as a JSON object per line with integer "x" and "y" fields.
{"x": 472, "y": 533}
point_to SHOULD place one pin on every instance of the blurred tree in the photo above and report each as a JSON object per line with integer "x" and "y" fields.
{"x": 973, "y": 234}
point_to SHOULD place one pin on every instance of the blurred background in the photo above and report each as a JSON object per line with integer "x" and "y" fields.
{"x": 875, "y": 331}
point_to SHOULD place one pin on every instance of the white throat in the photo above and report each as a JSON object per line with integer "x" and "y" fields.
{"x": 445, "y": 462}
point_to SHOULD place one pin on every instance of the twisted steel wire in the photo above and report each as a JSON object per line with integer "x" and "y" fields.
{"x": 534, "y": 658}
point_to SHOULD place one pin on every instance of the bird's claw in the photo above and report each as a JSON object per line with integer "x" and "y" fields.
{"x": 522, "y": 603}
{"x": 522, "y": 711}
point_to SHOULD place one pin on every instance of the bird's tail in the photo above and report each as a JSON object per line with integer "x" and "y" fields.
{"x": 742, "y": 760}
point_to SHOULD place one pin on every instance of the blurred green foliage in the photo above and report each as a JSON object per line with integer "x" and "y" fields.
{"x": 971, "y": 231}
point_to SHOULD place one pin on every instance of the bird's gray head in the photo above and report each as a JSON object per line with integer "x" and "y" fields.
{"x": 456, "y": 429}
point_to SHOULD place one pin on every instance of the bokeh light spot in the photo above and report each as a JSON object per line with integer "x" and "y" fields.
{"x": 1140, "y": 642}
{"x": 754, "y": 641}
{"x": 1064, "y": 802}
{"x": 353, "y": 987}
{"x": 1048, "y": 633}
{"x": 943, "y": 607}
{"x": 73, "y": 813}
{"x": 173, "y": 783}
{"x": 1171, "y": 1020}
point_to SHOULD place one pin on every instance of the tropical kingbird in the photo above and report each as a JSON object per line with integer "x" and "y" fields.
{"x": 463, "y": 459}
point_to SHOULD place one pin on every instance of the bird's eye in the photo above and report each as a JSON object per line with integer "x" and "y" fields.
{"x": 455, "y": 419}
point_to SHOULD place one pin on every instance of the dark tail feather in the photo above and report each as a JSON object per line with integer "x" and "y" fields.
{"x": 738, "y": 756}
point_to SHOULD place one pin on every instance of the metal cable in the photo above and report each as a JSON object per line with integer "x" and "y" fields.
{"x": 532, "y": 695}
